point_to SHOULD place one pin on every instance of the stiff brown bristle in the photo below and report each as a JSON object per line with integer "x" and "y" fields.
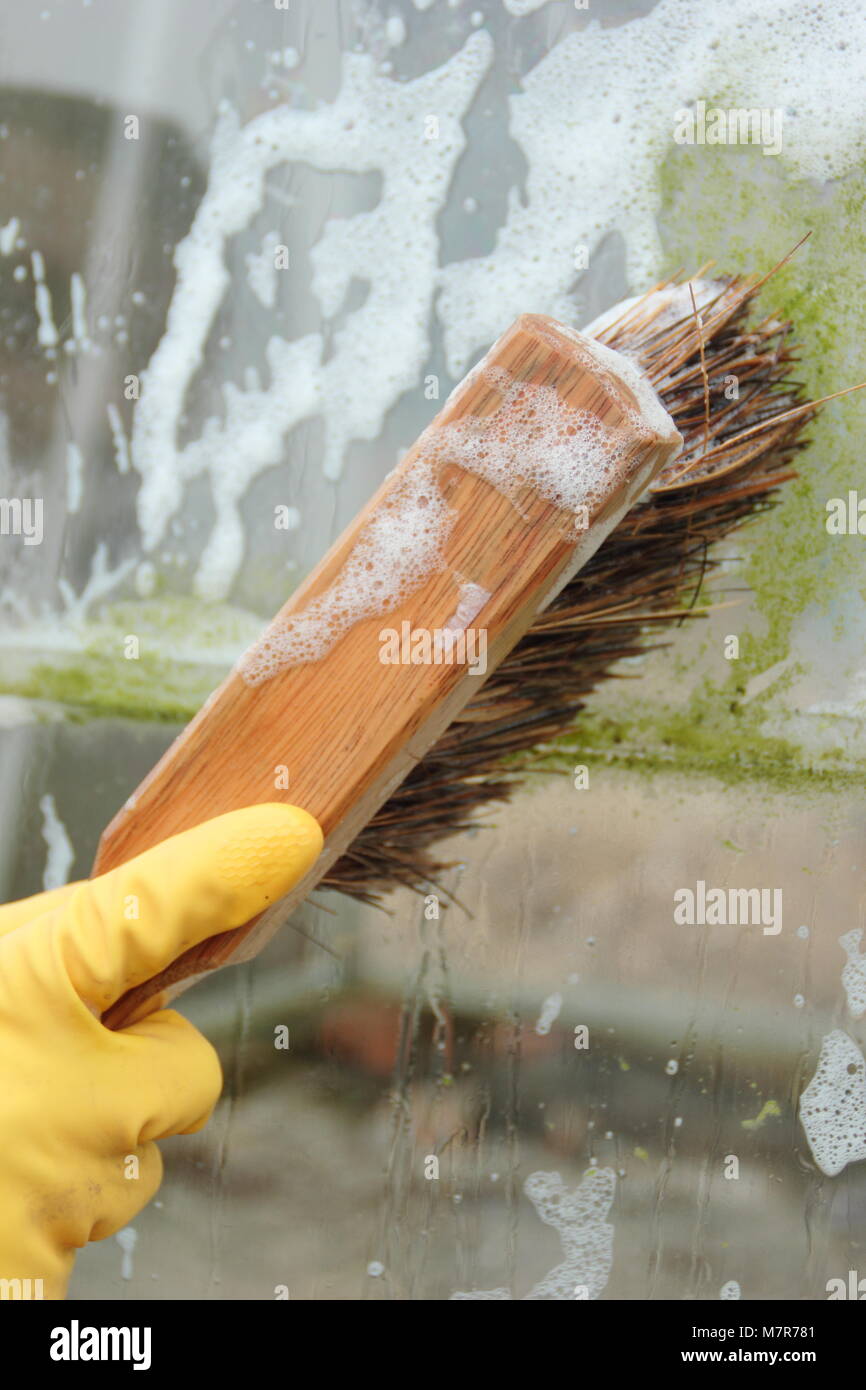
{"x": 639, "y": 580}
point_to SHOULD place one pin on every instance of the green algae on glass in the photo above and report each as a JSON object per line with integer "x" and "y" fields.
{"x": 733, "y": 205}
{"x": 94, "y": 685}
{"x": 704, "y": 738}
{"x": 736, "y": 206}
{"x": 768, "y": 1109}
{"x": 185, "y": 648}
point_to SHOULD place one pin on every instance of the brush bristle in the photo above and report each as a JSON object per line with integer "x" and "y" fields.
{"x": 718, "y": 375}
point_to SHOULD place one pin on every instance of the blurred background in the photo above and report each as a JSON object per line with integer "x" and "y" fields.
{"x": 244, "y": 248}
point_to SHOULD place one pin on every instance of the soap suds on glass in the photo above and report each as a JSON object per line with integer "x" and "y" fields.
{"x": 549, "y": 1014}
{"x": 660, "y": 61}
{"x": 379, "y": 349}
{"x": 60, "y": 854}
{"x": 579, "y": 1218}
{"x": 854, "y": 973}
{"x": 833, "y": 1105}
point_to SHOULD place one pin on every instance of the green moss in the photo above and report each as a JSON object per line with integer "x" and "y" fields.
{"x": 791, "y": 560}
{"x": 743, "y": 210}
{"x": 768, "y": 1109}
{"x": 147, "y": 690}
{"x": 185, "y": 648}
{"x": 707, "y": 736}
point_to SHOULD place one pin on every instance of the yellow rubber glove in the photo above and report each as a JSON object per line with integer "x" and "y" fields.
{"x": 78, "y": 1103}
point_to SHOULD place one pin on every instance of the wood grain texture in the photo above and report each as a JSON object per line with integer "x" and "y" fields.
{"x": 347, "y": 726}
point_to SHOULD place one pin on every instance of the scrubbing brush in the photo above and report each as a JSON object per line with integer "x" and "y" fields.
{"x": 536, "y": 458}
{"x": 729, "y": 384}
{"x": 531, "y": 463}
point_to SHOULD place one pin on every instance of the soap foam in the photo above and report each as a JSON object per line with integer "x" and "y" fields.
{"x": 647, "y": 415}
{"x": 78, "y": 305}
{"x": 578, "y": 1217}
{"x": 118, "y": 438}
{"x": 549, "y": 1014}
{"x": 262, "y": 270}
{"x": 660, "y": 61}
{"x": 61, "y": 855}
{"x": 46, "y": 333}
{"x": 378, "y": 351}
{"x": 833, "y": 1105}
{"x": 8, "y": 236}
{"x": 536, "y": 439}
{"x": 471, "y": 598}
{"x": 519, "y": 8}
{"x": 537, "y": 442}
{"x": 74, "y": 477}
{"x": 398, "y": 549}
{"x": 605, "y": 99}
{"x": 854, "y": 973}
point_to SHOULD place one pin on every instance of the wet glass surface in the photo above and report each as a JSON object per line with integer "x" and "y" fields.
{"x": 549, "y": 1086}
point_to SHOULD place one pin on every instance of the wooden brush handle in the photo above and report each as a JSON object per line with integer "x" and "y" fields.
{"x": 346, "y": 726}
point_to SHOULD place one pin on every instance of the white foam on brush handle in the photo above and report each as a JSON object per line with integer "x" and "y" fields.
{"x": 535, "y": 439}
{"x": 396, "y": 551}
{"x": 647, "y": 414}
{"x": 567, "y": 455}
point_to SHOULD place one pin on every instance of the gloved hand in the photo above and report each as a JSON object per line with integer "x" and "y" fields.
{"x": 80, "y": 1106}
